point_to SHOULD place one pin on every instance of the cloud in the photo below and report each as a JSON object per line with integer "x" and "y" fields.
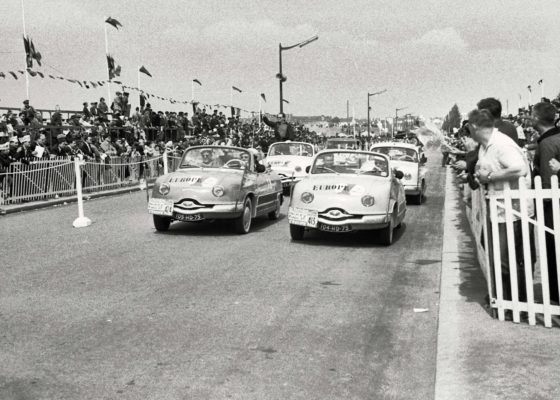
{"x": 446, "y": 38}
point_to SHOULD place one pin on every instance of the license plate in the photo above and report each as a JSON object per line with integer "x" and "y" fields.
{"x": 335, "y": 228}
{"x": 303, "y": 217}
{"x": 160, "y": 207}
{"x": 188, "y": 217}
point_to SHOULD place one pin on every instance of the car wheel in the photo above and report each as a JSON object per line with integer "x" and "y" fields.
{"x": 273, "y": 215}
{"x": 296, "y": 232}
{"x": 243, "y": 222}
{"x": 161, "y": 223}
{"x": 386, "y": 233}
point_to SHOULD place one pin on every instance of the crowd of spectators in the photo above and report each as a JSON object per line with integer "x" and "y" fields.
{"x": 100, "y": 132}
{"x": 488, "y": 151}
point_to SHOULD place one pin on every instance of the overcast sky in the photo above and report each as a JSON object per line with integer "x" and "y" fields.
{"x": 428, "y": 54}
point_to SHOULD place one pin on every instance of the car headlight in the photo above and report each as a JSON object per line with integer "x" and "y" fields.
{"x": 164, "y": 189}
{"x": 298, "y": 168}
{"x": 368, "y": 200}
{"x": 407, "y": 177}
{"x": 307, "y": 197}
{"x": 218, "y": 191}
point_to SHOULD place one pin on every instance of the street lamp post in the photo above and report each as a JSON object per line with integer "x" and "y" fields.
{"x": 281, "y": 77}
{"x": 368, "y": 110}
{"x": 396, "y": 119}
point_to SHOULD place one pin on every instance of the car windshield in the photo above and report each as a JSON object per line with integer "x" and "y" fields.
{"x": 343, "y": 144}
{"x": 398, "y": 153}
{"x": 216, "y": 157}
{"x": 291, "y": 149}
{"x": 351, "y": 163}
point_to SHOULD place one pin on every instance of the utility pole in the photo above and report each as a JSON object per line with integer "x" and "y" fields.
{"x": 368, "y": 111}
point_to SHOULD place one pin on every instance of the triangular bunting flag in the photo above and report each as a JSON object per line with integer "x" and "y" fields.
{"x": 13, "y": 74}
{"x": 237, "y": 89}
{"x": 197, "y": 81}
{"x": 263, "y": 97}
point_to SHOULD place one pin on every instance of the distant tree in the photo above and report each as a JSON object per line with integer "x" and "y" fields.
{"x": 452, "y": 119}
{"x": 335, "y": 120}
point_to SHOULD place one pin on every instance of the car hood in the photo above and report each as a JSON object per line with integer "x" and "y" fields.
{"x": 343, "y": 191}
{"x": 197, "y": 183}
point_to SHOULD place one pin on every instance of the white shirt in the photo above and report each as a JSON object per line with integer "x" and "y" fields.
{"x": 502, "y": 152}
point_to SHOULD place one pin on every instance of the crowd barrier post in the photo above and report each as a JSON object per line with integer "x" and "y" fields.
{"x": 82, "y": 221}
{"x": 165, "y": 163}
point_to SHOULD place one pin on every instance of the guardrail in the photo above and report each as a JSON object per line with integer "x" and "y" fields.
{"x": 513, "y": 250}
{"x": 53, "y": 178}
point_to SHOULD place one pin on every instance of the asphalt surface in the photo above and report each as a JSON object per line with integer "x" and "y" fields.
{"x": 118, "y": 311}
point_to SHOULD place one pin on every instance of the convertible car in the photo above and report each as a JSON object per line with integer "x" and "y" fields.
{"x": 289, "y": 160}
{"x": 348, "y": 190}
{"x": 216, "y": 182}
{"x": 410, "y": 160}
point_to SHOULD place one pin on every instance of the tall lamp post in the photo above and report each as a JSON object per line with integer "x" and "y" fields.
{"x": 396, "y": 119}
{"x": 368, "y": 110}
{"x": 281, "y": 77}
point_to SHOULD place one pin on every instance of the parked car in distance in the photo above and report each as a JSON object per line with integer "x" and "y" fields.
{"x": 289, "y": 160}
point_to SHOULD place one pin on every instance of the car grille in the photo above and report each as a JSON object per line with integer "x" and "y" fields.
{"x": 337, "y": 214}
{"x": 190, "y": 204}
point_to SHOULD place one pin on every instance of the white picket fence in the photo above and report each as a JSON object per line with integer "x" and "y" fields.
{"x": 483, "y": 216}
{"x": 51, "y": 178}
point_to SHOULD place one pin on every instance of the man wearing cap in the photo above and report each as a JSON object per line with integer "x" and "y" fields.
{"x": 28, "y": 112}
{"x": 61, "y": 148}
{"x": 102, "y": 108}
{"x": 282, "y": 129}
{"x": 208, "y": 159}
{"x": 85, "y": 111}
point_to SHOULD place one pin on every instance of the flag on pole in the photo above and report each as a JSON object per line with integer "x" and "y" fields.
{"x": 263, "y": 97}
{"x": 114, "y": 70}
{"x": 285, "y": 101}
{"x": 30, "y": 52}
{"x": 113, "y": 22}
{"x": 237, "y": 89}
{"x": 197, "y": 81}
{"x": 145, "y": 71}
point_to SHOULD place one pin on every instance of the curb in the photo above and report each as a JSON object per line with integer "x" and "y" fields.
{"x": 36, "y": 205}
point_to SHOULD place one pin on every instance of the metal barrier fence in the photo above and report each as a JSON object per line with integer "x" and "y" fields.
{"x": 52, "y": 178}
{"x": 513, "y": 250}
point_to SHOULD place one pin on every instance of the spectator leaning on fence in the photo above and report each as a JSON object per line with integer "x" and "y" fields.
{"x": 547, "y": 154}
{"x": 501, "y": 160}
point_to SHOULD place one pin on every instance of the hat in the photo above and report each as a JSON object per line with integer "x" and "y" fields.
{"x": 61, "y": 137}
{"x": 25, "y": 101}
{"x": 126, "y": 93}
{"x": 205, "y": 151}
{"x": 118, "y": 92}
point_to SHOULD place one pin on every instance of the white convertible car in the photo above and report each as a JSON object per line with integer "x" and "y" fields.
{"x": 348, "y": 190}
{"x": 289, "y": 160}
{"x": 409, "y": 159}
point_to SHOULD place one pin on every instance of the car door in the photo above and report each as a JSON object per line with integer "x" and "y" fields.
{"x": 265, "y": 194}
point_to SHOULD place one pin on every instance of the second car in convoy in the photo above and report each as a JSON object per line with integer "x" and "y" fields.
{"x": 289, "y": 160}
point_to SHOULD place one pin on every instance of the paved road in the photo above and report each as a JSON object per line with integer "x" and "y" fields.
{"x": 118, "y": 311}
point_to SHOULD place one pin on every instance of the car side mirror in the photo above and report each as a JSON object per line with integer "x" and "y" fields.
{"x": 399, "y": 174}
{"x": 261, "y": 168}
{"x": 308, "y": 168}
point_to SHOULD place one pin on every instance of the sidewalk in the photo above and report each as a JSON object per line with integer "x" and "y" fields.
{"x": 34, "y": 205}
{"x": 479, "y": 357}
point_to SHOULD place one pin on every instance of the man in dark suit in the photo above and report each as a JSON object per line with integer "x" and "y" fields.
{"x": 282, "y": 129}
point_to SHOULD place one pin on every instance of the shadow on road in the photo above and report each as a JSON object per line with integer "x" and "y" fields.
{"x": 219, "y": 227}
{"x": 358, "y": 239}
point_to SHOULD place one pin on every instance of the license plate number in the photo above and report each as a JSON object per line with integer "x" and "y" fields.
{"x": 335, "y": 228}
{"x": 160, "y": 207}
{"x": 188, "y": 217}
{"x": 303, "y": 217}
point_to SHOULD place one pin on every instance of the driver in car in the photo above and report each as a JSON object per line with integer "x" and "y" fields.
{"x": 208, "y": 159}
